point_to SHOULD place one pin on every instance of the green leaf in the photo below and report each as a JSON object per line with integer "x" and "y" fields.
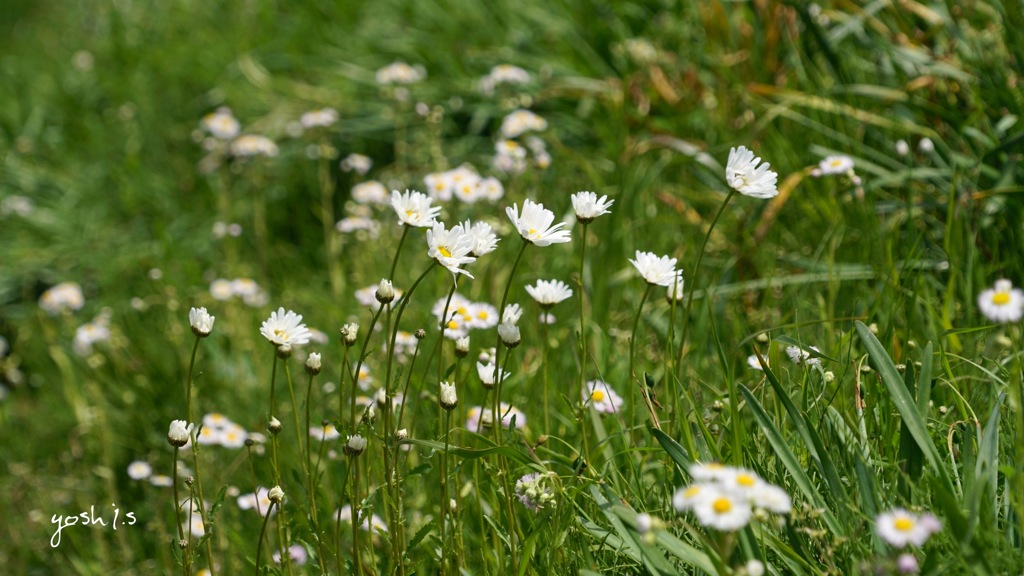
{"x": 796, "y": 469}
{"x": 675, "y": 451}
{"x": 904, "y": 403}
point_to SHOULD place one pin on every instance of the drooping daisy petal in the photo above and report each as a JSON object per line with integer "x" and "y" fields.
{"x": 748, "y": 176}
{"x": 534, "y": 224}
{"x": 450, "y": 248}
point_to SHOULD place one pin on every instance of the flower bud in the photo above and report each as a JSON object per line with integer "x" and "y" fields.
{"x": 284, "y": 351}
{"x": 448, "y": 398}
{"x": 420, "y": 333}
{"x": 462, "y": 347}
{"x": 276, "y": 495}
{"x": 313, "y": 364}
{"x": 274, "y": 426}
{"x": 349, "y": 333}
{"x": 402, "y": 434}
{"x": 509, "y": 334}
{"x": 355, "y": 445}
{"x": 385, "y": 292}
{"x": 179, "y": 433}
{"x": 201, "y": 321}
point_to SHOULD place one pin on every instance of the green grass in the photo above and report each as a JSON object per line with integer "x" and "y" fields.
{"x": 99, "y": 107}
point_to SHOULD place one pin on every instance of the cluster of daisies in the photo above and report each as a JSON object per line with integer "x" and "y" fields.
{"x": 725, "y": 497}
{"x": 245, "y": 289}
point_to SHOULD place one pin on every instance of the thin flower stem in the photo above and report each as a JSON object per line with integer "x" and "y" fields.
{"x": 185, "y": 554}
{"x": 359, "y": 365}
{"x": 341, "y": 385}
{"x": 444, "y": 491}
{"x": 696, "y": 271}
{"x": 273, "y": 382}
{"x": 440, "y": 340}
{"x": 544, "y": 371}
{"x": 310, "y": 473}
{"x": 282, "y": 536}
{"x": 584, "y": 432}
{"x": 632, "y": 373}
{"x": 188, "y": 385}
{"x": 354, "y": 514}
{"x": 401, "y": 242}
{"x": 198, "y": 487}
{"x": 259, "y": 543}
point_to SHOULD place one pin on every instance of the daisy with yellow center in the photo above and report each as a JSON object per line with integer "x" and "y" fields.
{"x": 601, "y": 397}
{"x": 285, "y": 328}
{"x": 450, "y": 248}
{"x": 1002, "y": 303}
{"x": 534, "y": 224}
{"x": 720, "y": 509}
{"x": 414, "y": 208}
{"x": 900, "y": 527}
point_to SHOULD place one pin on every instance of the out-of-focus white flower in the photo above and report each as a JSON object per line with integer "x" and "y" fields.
{"x": 486, "y": 373}
{"x": 748, "y": 176}
{"x": 285, "y": 328}
{"x": 926, "y": 146}
{"x": 534, "y": 224}
{"x": 250, "y": 145}
{"x": 899, "y": 527}
{"x": 90, "y": 333}
{"x": 801, "y": 356}
{"x": 161, "y": 480}
{"x": 902, "y": 148}
{"x": 588, "y": 207}
{"x": 359, "y": 163}
{"x": 906, "y": 563}
{"x": 221, "y": 124}
{"x": 837, "y": 164}
{"x": 296, "y": 553}
{"x": 1002, "y": 303}
{"x": 414, "y": 208}
{"x": 260, "y": 500}
{"x": 15, "y": 204}
{"x": 512, "y": 313}
{"x": 372, "y": 192}
{"x": 754, "y": 567}
{"x": 482, "y": 237}
{"x": 674, "y": 293}
{"x": 521, "y": 121}
{"x": 400, "y": 73}
{"x": 476, "y": 416}
{"x": 370, "y": 521}
{"x": 139, "y": 470}
{"x": 319, "y": 118}
{"x": 325, "y": 432}
{"x": 601, "y": 396}
{"x": 720, "y": 509}
{"x": 503, "y": 74}
{"x": 63, "y": 296}
{"x": 657, "y": 270}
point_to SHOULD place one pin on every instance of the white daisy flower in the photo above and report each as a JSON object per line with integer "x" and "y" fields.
{"x": 507, "y": 412}
{"x": 139, "y": 470}
{"x": 771, "y": 498}
{"x": 658, "y": 270}
{"x": 439, "y": 185}
{"x": 513, "y": 312}
{"x": 285, "y": 328}
{"x": 486, "y": 373}
{"x": 601, "y": 396}
{"x": 710, "y": 472}
{"x": 482, "y": 316}
{"x": 371, "y": 192}
{"x": 899, "y": 527}
{"x": 220, "y": 289}
{"x": 233, "y": 436}
{"x": 720, "y": 509}
{"x": 801, "y": 356}
{"x": 400, "y": 73}
{"x": 414, "y": 209}
{"x": 547, "y": 293}
{"x": 745, "y": 176}
{"x": 319, "y": 118}
{"x": 324, "y": 433}
{"x": 450, "y": 248}
{"x": 588, "y": 207}
{"x": 674, "y": 293}
{"x": 88, "y": 334}
{"x": 359, "y": 163}
{"x": 63, "y": 296}
{"x": 837, "y": 164}
{"x": 685, "y": 497}
{"x": 201, "y": 321}
{"x": 520, "y": 121}
{"x": 491, "y": 188}
{"x": 534, "y": 224}
{"x": 1002, "y": 303}
{"x": 221, "y": 124}
{"x": 754, "y": 363}
{"x": 250, "y": 145}
{"x": 350, "y": 224}
{"x": 482, "y": 236}
{"x": 216, "y": 421}
{"x": 161, "y": 480}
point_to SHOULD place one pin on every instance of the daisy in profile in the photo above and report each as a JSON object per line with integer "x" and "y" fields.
{"x": 370, "y": 192}
{"x": 534, "y": 224}
{"x": 657, "y": 270}
{"x": 1002, "y": 303}
{"x": 748, "y": 176}
{"x": 588, "y": 207}
{"x": 414, "y": 208}
{"x": 486, "y": 373}
{"x": 482, "y": 236}
{"x": 285, "y": 328}
{"x": 547, "y": 293}
{"x": 250, "y": 145}
{"x": 601, "y": 396}
{"x": 450, "y": 248}
{"x": 899, "y": 527}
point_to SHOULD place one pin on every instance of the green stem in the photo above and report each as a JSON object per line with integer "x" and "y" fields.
{"x": 359, "y": 366}
{"x": 583, "y": 341}
{"x": 188, "y": 386}
{"x": 310, "y": 473}
{"x": 185, "y": 554}
{"x": 401, "y": 242}
{"x": 202, "y": 508}
{"x": 259, "y": 543}
{"x": 696, "y": 271}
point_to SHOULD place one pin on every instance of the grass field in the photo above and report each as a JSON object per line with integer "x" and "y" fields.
{"x": 836, "y": 389}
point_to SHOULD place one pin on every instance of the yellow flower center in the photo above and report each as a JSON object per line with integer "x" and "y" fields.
{"x": 691, "y": 492}
{"x": 482, "y": 314}
{"x": 745, "y": 480}
{"x": 452, "y": 325}
{"x": 903, "y": 524}
{"x": 531, "y": 232}
{"x": 444, "y": 252}
{"x": 836, "y": 163}
{"x": 597, "y": 396}
{"x": 282, "y": 334}
{"x": 722, "y": 505}
{"x": 410, "y": 213}
{"x": 1001, "y": 298}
